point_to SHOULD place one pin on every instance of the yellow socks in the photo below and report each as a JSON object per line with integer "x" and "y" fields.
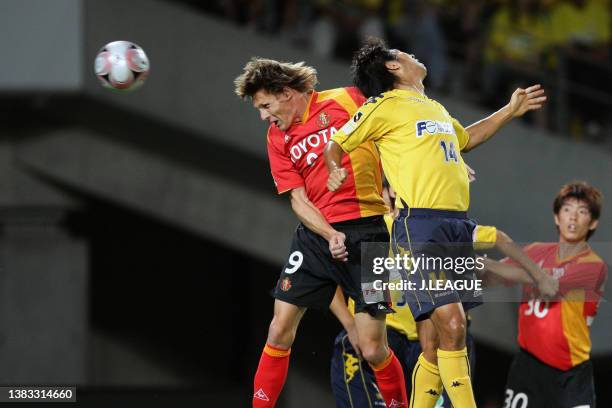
{"x": 426, "y": 384}
{"x": 454, "y": 369}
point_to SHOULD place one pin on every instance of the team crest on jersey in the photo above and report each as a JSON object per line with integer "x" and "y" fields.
{"x": 323, "y": 120}
{"x": 285, "y": 284}
{"x": 287, "y": 138}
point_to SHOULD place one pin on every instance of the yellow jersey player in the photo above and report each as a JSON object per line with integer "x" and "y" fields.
{"x": 353, "y": 383}
{"x": 420, "y": 146}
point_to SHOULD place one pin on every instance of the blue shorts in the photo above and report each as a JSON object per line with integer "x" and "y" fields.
{"x": 436, "y": 236}
{"x": 353, "y": 382}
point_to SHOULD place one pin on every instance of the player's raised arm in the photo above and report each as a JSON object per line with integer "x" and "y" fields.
{"x": 521, "y": 102}
{"x": 507, "y": 272}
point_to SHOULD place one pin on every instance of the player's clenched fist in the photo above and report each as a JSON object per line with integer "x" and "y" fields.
{"x": 336, "y": 178}
{"x": 337, "y": 247}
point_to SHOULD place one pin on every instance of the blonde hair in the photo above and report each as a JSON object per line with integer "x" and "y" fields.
{"x": 272, "y": 76}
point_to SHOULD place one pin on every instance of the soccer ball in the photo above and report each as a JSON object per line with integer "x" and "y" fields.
{"x": 121, "y": 65}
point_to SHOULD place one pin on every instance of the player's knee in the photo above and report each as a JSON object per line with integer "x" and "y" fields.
{"x": 281, "y": 334}
{"x": 453, "y": 336}
{"x": 374, "y": 352}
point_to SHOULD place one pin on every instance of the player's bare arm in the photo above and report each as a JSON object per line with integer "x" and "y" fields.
{"x": 333, "y": 159}
{"x": 511, "y": 273}
{"x": 312, "y": 218}
{"x": 547, "y": 286}
{"x": 521, "y": 102}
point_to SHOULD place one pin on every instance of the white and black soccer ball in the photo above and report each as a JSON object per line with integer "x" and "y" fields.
{"x": 121, "y": 65}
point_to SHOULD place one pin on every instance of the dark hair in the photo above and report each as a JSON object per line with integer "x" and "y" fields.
{"x": 580, "y": 190}
{"x": 368, "y": 69}
{"x": 272, "y": 76}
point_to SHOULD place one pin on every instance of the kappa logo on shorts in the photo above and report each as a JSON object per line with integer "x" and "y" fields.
{"x": 395, "y": 404}
{"x": 285, "y": 284}
{"x": 260, "y": 394}
{"x": 351, "y": 366}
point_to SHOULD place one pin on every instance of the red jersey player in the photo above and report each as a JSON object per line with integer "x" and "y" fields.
{"x": 553, "y": 367}
{"x": 326, "y": 247}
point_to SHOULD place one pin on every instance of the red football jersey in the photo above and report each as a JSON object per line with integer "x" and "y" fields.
{"x": 296, "y": 159}
{"x": 557, "y": 333}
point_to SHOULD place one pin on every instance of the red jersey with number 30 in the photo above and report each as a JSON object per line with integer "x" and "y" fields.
{"x": 558, "y": 333}
{"x": 296, "y": 159}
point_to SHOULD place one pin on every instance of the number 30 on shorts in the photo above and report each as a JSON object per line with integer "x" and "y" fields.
{"x": 515, "y": 401}
{"x": 295, "y": 260}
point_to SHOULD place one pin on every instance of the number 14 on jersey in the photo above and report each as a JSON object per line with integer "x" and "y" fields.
{"x": 450, "y": 153}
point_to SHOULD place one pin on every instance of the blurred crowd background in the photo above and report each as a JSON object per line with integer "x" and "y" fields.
{"x": 476, "y": 49}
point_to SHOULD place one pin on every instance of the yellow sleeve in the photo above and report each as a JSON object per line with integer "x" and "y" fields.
{"x": 462, "y": 135}
{"x": 484, "y": 237}
{"x": 371, "y": 122}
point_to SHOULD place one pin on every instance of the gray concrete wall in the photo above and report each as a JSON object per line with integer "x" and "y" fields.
{"x": 204, "y": 203}
{"x": 41, "y": 45}
{"x": 20, "y": 188}
{"x": 43, "y": 297}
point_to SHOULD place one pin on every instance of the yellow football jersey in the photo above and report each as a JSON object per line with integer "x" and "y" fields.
{"x": 419, "y": 144}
